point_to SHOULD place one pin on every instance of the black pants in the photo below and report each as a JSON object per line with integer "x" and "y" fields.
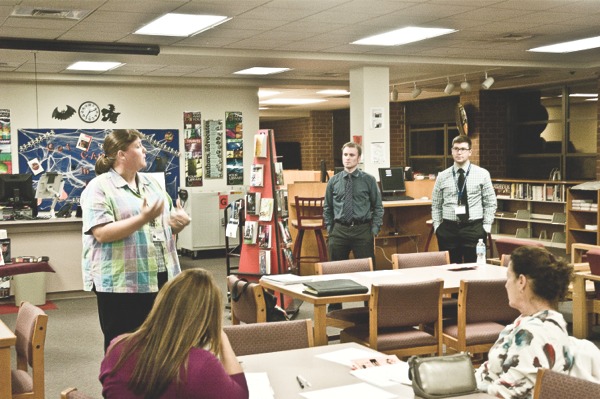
{"x": 358, "y": 239}
{"x": 460, "y": 239}
{"x": 121, "y": 313}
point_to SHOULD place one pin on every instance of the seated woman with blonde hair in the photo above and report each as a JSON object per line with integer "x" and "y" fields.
{"x": 180, "y": 351}
{"x": 536, "y": 282}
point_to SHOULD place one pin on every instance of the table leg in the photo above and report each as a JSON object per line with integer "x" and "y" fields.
{"x": 5, "y": 387}
{"x": 320, "y": 314}
{"x": 580, "y": 314}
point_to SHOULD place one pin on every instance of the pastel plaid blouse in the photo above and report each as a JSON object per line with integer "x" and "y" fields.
{"x": 129, "y": 265}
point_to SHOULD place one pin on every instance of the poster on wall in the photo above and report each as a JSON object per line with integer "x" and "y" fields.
{"x": 193, "y": 148}
{"x": 73, "y": 152}
{"x": 5, "y": 152}
{"x": 235, "y": 148}
{"x": 213, "y": 148}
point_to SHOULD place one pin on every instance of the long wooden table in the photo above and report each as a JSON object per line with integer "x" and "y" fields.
{"x": 451, "y": 285}
{"x": 283, "y": 367}
{"x": 7, "y": 340}
{"x": 581, "y": 305}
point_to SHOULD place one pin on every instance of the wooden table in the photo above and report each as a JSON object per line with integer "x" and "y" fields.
{"x": 283, "y": 367}
{"x": 451, "y": 285}
{"x": 7, "y": 340}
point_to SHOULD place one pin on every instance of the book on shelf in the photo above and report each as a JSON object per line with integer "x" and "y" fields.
{"x": 235, "y": 212}
{"x": 288, "y": 257}
{"x": 260, "y": 145}
{"x": 282, "y": 202}
{"x": 264, "y": 236}
{"x": 279, "y": 173}
{"x": 266, "y": 210}
{"x": 285, "y": 231}
{"x": 250, "y": 232}
{"x": 264, "y": 262}
{"x": 257, "y": 175}
{"x": 252, "y": 203}
{"x": 231, "y": 229}
{"x": 502, "y": 189}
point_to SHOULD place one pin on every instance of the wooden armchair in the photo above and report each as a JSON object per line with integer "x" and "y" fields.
{"x": 30, "y": 330}
{"x": 553, "y": 385}
{"x": 73, "y": 393}
{"x": 420, "y": 259}
{"x": 250, "y": 306}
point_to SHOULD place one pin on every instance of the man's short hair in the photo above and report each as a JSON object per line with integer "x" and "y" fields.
{"x": 461, "y": 138}
{"x": 352, "y": 144}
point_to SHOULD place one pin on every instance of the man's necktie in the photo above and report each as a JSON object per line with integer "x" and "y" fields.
{"x": 348, "y": 202}
{"x": 463, "y": 198}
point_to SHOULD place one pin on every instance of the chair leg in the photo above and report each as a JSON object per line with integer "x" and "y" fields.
{"x": 429, "y": 237}
{"x": 323, "y": 257}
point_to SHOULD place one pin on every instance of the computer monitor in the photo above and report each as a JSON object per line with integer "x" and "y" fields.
{"x": 16, "y": 190}
{"x": 50, "y": 186}
{"x": 392, "y": 180}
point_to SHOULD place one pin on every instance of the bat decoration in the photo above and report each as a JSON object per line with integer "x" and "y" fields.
{"x": 62, "y": 115}
{"x": 109, "y": 114}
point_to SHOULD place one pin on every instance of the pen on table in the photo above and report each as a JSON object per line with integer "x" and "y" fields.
{"x": 300, "y": 381}
{"x": 304, "y": 381}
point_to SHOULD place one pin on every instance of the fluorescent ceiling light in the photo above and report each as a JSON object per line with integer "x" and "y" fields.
{"x": 263, "y": 108}
{"x": 569, "y": 47}
{"x": 403, "y": 36}
{"x": 94, "y": 66}
{"x": 267, "y": 93}
{"x": 261, "y": 71}
{"x": 583, "y": 95}
{"x": 292, "y": 101}
{"x": 334, "y": 92}
{"x": 181, "y": 24}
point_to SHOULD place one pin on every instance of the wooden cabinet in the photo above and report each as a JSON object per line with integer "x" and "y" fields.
{"x": 532, "y": 210}
{"x": 582, "y": 217}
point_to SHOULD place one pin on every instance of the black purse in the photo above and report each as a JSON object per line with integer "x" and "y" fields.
{"x": 274, "y": 312}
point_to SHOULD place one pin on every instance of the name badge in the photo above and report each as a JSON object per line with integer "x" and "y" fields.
{"x": 460, "y": 210}
{"x": 158, "y": 236}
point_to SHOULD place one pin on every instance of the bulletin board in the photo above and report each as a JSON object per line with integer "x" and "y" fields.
{"x": 73, "y": 152}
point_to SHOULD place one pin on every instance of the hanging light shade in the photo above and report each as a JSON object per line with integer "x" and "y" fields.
{"x": 394, "y": 94}
{"x": 487, "y": 83}
{"x": 466, "y": 86}
{"x": 449, "y": 87}
{"x": 416, "y": 91}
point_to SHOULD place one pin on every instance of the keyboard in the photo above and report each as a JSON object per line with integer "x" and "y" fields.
{"x": 397, "y": 198}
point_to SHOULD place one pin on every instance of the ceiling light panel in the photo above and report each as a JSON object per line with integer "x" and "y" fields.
{"x": 94, "y": 66}
{"x": 261, "y": 71}
{"x": 181, "y": 25}
{"x": 403, "y": 36}
{"x": 569, "y": 47}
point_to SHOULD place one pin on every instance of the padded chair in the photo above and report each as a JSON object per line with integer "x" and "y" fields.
{"x": 554, "y": 385}
{"x": 483, "y": 312}
{"x": 248, "y": 339}
{"x": 30, "y": 330}
{"x": 251, "y": 307}
{"x": 73, "y": 393}
{"x": 342, "y": 318}
{"x": 505, "y": 260}
{"x": 398, "y": 315}
{"x": 420, "y": 259}
{"x": 505, "y": 245}
{"x": 309, "y": 216}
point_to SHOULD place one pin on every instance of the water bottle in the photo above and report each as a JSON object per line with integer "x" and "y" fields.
{"x": 480, "y": 251}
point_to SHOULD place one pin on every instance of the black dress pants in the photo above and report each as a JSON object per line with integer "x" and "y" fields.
{"x": 460, "y": 239}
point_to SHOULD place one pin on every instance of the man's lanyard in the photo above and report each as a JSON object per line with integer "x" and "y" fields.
{"x": 459, "y": 190}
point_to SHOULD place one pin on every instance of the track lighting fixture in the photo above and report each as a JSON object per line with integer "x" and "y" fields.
{"x": 449, "y": 87}
{"x": 466, "y": 86}
{"x": 394, "y": 94}
{"x": 416, "y": 91}
{"x": 488, "y": 82}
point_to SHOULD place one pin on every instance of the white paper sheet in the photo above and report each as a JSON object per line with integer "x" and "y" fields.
{"x": 259, "y": 386}
{"x": 384, "y": 376}
{"x": 345, "y": 356}
{"x": 362, "y": 390}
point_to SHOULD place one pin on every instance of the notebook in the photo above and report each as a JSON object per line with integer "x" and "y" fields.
{"x": 334, "y": 287}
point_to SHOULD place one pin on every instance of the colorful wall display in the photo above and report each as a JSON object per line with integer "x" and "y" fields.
{"x": 235, "y": 148}
{"x": 73, "y": 152}
{"x": 5, "y": 152}
{"x": 213, "y": 148}
{"x": 193, "y": 148}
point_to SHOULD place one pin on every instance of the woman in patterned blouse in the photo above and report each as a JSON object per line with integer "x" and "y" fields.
{"x": 536, "y": 282}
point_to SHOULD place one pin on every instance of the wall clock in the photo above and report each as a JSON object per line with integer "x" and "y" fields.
{"x": 89, "y": 112}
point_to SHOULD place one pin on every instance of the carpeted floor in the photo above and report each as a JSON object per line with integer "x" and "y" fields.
{"x": 10, "y": 307}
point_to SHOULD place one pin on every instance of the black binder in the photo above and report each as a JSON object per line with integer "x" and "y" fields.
{"x": 334, "y": 287}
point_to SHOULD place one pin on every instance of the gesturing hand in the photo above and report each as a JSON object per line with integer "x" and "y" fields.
{"x": 152, "y": 211}
{"x": 179, "y": 218}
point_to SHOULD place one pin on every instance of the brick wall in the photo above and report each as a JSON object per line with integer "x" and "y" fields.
{"x": 397, "y": 134}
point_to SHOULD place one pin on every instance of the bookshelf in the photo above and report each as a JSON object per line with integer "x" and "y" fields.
{"x": 533, "y": 210}
{"x": 582, "y": 217}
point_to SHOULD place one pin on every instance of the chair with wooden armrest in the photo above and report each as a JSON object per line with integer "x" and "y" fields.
{"x": 248, "y": 339}
{"x": 30, "y": 330}
{"x": 483, "y": 312}
{"x": 342, "y": 318}
{"x": 579, "y": 250}
{"x": 505, "y": 245}
{"x": 73, "y": 393}
{"x": 505, "y": 260}
{"x": 250, "y": 307}
{"x": 420, "y": 259}
{"x": 554, "y": 385}
{"x": 398, "y": 315}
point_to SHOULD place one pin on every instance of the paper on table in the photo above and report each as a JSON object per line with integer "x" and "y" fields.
{"x": 345, "y": 356}
{"x": 361, "y": 390}
{"x": 384, "y": 376}
{"x": 259, "y": 386}
{"x": 287, "y": 279}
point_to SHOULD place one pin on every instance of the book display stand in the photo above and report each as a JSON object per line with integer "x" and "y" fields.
{"x": 266, "y": 239}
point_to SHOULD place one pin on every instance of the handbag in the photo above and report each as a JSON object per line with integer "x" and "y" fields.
{"x": 442, "y": 376}
{"x": 274, "y": 312}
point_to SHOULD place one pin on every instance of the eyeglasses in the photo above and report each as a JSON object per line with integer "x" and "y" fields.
{"x": 459, "y": 150}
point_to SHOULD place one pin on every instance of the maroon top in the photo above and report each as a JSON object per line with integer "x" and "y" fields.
{"x": 12, "y": 269}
